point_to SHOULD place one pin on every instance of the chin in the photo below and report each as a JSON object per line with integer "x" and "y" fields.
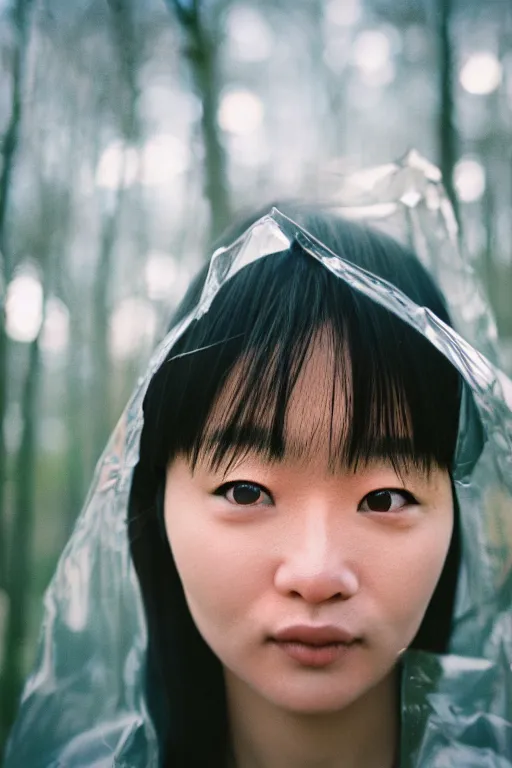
{"x": 314, "y": 698}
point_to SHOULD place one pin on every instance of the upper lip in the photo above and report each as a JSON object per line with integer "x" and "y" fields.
{"x": 314, "y": 635}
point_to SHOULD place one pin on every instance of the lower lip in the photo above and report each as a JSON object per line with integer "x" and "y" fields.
{"x": 315, "y": 656}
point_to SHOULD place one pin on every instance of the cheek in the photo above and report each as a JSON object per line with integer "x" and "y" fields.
{"x": 412, "y": 574}
{"x": 220, "y": 574}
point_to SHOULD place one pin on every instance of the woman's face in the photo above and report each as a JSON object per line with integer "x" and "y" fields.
{"x": 268, "y": 552}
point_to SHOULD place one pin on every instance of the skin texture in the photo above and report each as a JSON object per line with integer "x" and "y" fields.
{"x": 309, "y": 550}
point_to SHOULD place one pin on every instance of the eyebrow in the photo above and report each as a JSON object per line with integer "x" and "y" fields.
{"x": 258, "y": 438}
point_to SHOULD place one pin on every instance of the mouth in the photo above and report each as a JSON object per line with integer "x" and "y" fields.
{"x": 315, "y": 646}
{"x": 316, "y": 656}
{"x": 311, "y": 634}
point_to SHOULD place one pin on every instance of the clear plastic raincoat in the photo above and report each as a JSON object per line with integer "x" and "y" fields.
{"x": 84, "y": 704}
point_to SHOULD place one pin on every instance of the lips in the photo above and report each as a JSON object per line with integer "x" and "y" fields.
{"x": 315, "y": 646}
{"x": 314, "y": 635}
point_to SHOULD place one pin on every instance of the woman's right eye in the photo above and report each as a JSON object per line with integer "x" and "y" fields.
{"x": 245, "y": 494}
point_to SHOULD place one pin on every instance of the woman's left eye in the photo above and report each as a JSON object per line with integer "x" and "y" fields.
{"x": 244, "y": 494}
{"x": 387, "y": 500}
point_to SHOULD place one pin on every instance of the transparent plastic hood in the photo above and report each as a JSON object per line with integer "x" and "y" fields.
{"x": 84, "y": 703}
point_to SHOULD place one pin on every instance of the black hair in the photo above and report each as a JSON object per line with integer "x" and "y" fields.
{"x": 402, "y": 401}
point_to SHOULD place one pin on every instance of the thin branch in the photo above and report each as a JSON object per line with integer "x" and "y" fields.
{"x": 447, "y": 133}
{"x": 21, "y": 19}
{"x": 201, "y": 52}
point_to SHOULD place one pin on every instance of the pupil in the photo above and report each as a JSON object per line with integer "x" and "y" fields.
{"x": 380, "y": 501}
{"x": 246, "y": 494}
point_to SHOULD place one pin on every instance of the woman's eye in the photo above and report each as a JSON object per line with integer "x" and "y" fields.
{"x": 386, "y": 500}
{"x": 244, "y": 494}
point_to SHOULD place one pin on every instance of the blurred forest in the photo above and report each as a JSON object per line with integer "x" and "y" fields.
{"x": 131, "y": 130}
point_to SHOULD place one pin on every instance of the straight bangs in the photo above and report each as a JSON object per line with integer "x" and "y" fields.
{"x": 285, "y": 332}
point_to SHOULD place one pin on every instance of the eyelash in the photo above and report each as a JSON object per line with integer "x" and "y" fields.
{"x": 226, "y": 487}
{"x": 406, "y": 495}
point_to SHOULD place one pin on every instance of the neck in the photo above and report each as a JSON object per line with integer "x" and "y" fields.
{"x": 362, "y": 735}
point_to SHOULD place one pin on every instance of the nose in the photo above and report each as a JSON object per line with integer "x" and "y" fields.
{"x": 316, "y": 567}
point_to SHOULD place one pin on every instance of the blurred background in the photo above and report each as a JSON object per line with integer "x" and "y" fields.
{"x": 131, "y": 131}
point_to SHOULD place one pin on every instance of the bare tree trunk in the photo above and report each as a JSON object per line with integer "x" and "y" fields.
{"x": 3, "y": 451}
{"x": 202, "y": 57}
{"x": 22, "y": 528}
{"x": 75, "y": 455}
{"x": 122, "y": 29}
{"x": 21, "y": 15}
{"x": 494, "y": 150}
{"x": 75, "y": 397}
{"x": 447, "y": 133}
{"x": 101, "y": 305}
{"x": 54, "y": 212}
{"x": 489, "y": 216}
{"x": 65, "y": 287}
{"x": 123, "y": 34}
{"x": 21, "y": 543}
{"x": 330, "y": 95}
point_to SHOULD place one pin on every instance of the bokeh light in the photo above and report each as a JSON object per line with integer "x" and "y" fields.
{"x": 24, "y": 305}
{"x": 469, "y": 180}
{"x": 343, "y": 13}
{"x": 371, "y": 55}
{"x": 481, "y": 74}
{"x": 249, "y": 35}
{"x": 132, "y": 328}
{"x": 240, "y": 112}
{"x": 117, "y": 166}
{"x": 55, "y": 332}
{"x": 163, "y": 157}
{"x": 166, "y": 279}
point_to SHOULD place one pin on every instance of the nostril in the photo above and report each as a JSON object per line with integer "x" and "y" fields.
{"x": 338, "y": 597}
{"x": 329, "y": 583}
